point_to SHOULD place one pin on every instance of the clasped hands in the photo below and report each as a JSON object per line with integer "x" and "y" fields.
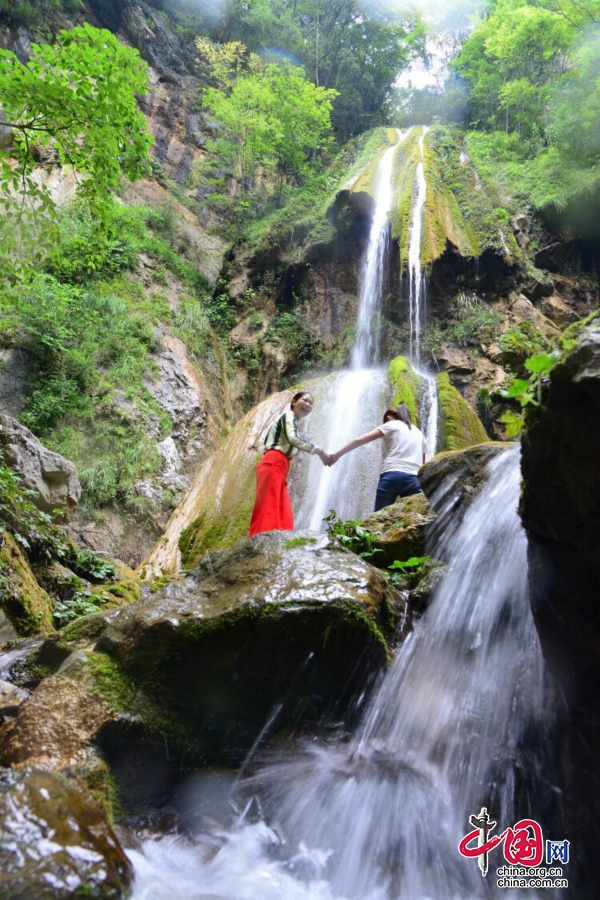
{"x": 328, "y": 459}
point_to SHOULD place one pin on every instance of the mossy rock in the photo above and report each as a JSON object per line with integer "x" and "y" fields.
{"x": 444, "y": 222}
{"x": 215, "y": 514}
{"x": 456, "y": 476}
{"x": 25, "y": 603}
{"x": 406, "y": 385}
{"x": 366, "y": 180}
{"x": 460, "y": 427}
{"x": 81, "y": 856}
{"x": 118, "y": 593}
{"x": 224, "y": 643}
{"x": 405, "y": 167}
{"x": 401, "y": 529}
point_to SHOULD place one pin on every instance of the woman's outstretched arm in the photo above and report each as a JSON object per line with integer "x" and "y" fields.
{"x": 357, "y": 442}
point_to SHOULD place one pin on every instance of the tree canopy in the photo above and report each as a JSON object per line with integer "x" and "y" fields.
{"x": 339, "y": 46}
{"x": 77, "y": 96}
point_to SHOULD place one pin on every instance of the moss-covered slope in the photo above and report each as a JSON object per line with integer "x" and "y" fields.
{"x": 459, "y": 425}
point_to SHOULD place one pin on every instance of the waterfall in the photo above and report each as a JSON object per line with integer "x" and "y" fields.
{"x": 380, "y": 817}
{"x": 366, "y": 350}
{"x": 428, "y": 412}
{"x": 357, "y": 397}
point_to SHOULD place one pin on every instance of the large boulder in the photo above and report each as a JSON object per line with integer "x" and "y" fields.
{"x": 25, "y": 607}
{"x": 285, "y": 624}
{"x": 401, "y": 529}
{"x": 454, "y": 478}
{"x": 52, "y": 477}
{"x": 560, "y": 508}
{"x": 460, "y": 426}
{"x": 55, "y": 842}
{"x": 53, "y": 727}
{"x": 216, "y": 511}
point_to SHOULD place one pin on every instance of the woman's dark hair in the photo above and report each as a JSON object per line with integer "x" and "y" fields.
{"x": 390, "y": 413}
{"x": 403, "y": 413}
{"x": 298, "y": 395}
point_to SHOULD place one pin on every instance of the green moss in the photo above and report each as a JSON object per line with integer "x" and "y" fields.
{"x": 570, "y": 335}
{"x": 87, "y": 628}
{"x": 120, "y": 593}
{"x": 216, "y": 530}
{"x": 523, "y": 340}
{"x": 99, "y": 782}
{"x": 104, "y": 677}
{"x": 405, "y": 384}
{"x": 25, "y": 603}
{"x": 299, "y": 542}
{"x": 346, "y": 613}
{"x": 405, "y": 166}
{"x": 459, "y": 425}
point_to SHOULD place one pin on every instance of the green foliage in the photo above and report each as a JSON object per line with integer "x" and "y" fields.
{"x": 90, "y": 339}
{"x": 472, "y": 320}
{"x": 533, "y": 71}
{"x": 522, "y": 340}
{"x": 342, "y": 45}
{"x": 303, "y": 215}
{"x": 32, "y": 13}
{"x": 527, "y": 391}
{"x": 39, "y": 538}
{"x": 273, "y": 120}
{"x": 80, "y": 603}
{"x": 291, "y": 329}
{"x": 353, "y": 535}
{"x": 509, "y": 59}
{"x": 574, "y": 103}
{"x": 77, "y": 96}
{"x": 407, "y": 573}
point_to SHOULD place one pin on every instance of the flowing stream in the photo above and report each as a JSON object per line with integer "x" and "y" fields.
{"x": 379, "y": 817}
{"x": 356, "y": 398}
{"x": 428, "y": 412}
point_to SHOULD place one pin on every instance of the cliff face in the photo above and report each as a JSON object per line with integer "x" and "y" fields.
{"x": 282, "y": 305}
{"x": 191, "y": 397}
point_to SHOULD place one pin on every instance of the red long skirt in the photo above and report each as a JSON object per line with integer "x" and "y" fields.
{"x": 272, "y": 507}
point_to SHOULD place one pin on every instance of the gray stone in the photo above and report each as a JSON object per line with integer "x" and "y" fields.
{"x": 11, "y": 697}
{"x": 402, "y": 529}
{"x": 55, "y": 842}
{"x": 560, "y": 508}
{"x": 282, "y": 615}
{"x": 52, "y": 477}
{"x": 14, "y": 365}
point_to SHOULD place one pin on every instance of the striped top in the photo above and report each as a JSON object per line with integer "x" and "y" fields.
{"x": 283, "y": 436}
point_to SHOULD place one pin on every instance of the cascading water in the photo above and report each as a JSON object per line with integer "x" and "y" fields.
{"x": 380, "y": 818}
{"x": 356, "y": 397}
{"x": 428, "y": 412}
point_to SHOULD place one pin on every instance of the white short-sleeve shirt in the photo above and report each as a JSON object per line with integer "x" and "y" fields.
{"x": 404, "y": 447}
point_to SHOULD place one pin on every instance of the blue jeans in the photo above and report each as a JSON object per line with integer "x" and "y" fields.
{"x": 393, "y": 485}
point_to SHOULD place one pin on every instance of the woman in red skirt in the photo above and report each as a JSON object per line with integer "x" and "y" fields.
{"x": 273, "y": 507}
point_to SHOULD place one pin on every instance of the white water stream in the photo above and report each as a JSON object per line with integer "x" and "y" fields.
{"x": 356, "y": 398}
{"x": 428, "y": 412}
{"x": 380, "y": 817}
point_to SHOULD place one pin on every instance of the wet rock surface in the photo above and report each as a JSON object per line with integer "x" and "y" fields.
{"x": 457, "y": 476}
{"x": 55, "y": 842}
{"x": 401, "y": 529}
{"x": 560, "y": 508}
{"x": 53, "y": 727}
{"x": 52, "y": 477}
{"x": 286, "y": 621}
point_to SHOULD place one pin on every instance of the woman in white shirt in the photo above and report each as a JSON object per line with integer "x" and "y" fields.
{"x": 405, "y": 454}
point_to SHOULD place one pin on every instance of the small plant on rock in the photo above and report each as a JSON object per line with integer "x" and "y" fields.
{"x": 353, "y": 535}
